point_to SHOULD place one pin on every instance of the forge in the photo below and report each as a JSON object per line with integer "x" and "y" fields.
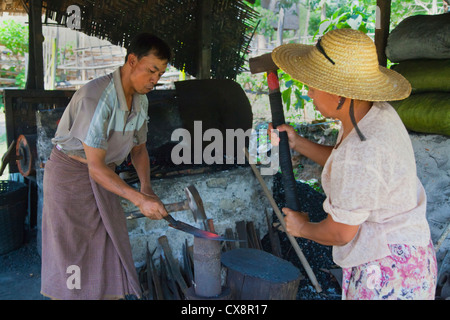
{"x": 225, "y": 183}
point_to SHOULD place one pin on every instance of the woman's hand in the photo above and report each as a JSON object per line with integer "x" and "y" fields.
{"x": 295, "y": 221}
{"x": 275, "y": 140}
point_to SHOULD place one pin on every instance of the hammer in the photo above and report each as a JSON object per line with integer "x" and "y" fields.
{"x": 264, "y": 63}
{"x": 192, "y": 202}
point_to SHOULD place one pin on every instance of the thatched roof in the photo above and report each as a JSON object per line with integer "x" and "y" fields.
{"x": 173, "y": 20}
{"x": 12, "y": 6}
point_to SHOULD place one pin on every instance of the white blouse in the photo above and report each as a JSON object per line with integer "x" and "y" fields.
{"x": 374, "y": 184}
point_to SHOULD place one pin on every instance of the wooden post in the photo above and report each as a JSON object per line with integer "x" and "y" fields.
{"x": 204, "y": 39}
{"x": 383, "y": 19}
{"x": 35, "y": 78}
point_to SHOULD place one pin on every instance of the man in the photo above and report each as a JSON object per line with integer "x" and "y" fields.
{"x": 86, "y": 253}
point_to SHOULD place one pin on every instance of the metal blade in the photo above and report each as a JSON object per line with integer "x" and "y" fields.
{"x": 179, "y": 225}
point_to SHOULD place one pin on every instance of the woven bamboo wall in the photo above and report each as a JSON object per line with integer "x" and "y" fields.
{"x": 173, "y": 20}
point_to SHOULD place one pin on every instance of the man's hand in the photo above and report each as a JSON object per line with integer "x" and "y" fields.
{"x": 152, "y": 207}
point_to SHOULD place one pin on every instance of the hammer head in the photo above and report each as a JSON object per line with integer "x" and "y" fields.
{"x": 263, "y": 63}
{"x": 195, "y": 203}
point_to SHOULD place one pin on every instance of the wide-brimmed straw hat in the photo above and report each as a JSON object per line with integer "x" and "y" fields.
{"x": 343, "y": 62}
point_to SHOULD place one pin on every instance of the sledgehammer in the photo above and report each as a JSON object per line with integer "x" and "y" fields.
{"x": 265, "y": 63}
{"x": 193, "y": 202}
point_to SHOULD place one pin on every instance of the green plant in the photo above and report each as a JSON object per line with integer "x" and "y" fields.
{"x": 315, "y": 184}
{"x": 14, "y": 36}
{"x": 293, "y": 87}
{"x": 357, "y": 18}
{"x": 256, "y": 83}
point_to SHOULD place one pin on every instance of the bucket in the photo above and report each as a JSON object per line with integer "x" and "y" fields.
{"x": 13, "y": 210}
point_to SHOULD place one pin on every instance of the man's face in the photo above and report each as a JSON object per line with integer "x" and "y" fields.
{"x": 146, "y": 72}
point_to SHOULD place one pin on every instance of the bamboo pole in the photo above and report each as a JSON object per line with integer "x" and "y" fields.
{"x": 294, "y": 242}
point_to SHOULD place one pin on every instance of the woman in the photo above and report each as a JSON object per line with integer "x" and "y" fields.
{"x": 376, "y": 205}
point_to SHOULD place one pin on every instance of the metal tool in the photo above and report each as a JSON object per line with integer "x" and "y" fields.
{"x": 264, "y": 63}
{"x": 193, "y": 202}
{"x": 179, "y": 225}
{"x": 9, "y": 156}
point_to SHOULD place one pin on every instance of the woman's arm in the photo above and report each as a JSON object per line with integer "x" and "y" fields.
{"x": 326, "y": 232}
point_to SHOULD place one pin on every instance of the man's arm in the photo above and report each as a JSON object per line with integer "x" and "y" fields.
{"x": 107, "y": 178}
{"x": 141, "y": 162}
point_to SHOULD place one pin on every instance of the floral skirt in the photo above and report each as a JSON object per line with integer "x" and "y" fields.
{"x": 409, "y": 273}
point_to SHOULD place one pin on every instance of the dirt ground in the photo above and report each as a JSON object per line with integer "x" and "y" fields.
{"x": 20, "y": 272}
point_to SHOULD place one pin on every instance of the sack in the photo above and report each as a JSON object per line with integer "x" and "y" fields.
{"x": 426, "y": 75}
{"x": 425, "y": 112}
{"x": 420, "y": 37}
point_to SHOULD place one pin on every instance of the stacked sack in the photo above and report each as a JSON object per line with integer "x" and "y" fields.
{"x": 421, "y": 46}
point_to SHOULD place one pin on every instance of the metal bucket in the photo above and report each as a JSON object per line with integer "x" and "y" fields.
{"x": 13, "y": 210}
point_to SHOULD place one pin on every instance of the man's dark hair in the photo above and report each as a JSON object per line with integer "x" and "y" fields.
{"x": 145, "y": 43}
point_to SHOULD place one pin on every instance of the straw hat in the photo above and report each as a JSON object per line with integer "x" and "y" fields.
{"x": 343, "y": 62}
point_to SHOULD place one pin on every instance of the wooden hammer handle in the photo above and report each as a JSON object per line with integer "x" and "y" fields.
{"x": 170, "y": 207}
{"x": 177, "y": 206}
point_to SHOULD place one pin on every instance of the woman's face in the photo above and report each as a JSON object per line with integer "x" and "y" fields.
{"x": 326, "y": 103}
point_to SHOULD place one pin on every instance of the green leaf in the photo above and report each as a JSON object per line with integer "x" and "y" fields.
{"x": 355, "y": 21}
{"x": 324, "y": 26}
{"x": 286, "y": 95}
{"x": 289, "y": 83}
{"x": 300, "y": 104}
